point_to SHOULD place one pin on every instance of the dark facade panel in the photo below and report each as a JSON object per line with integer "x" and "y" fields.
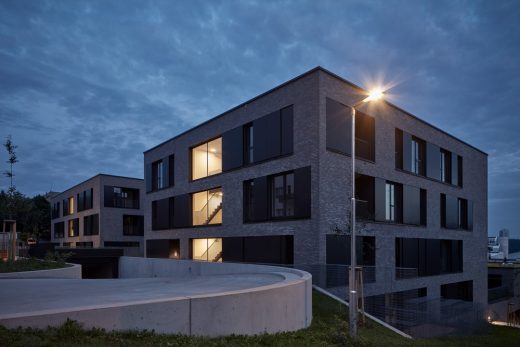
{"x": 232, "y": 149}
{"x": 268, "y": 249}
{"x": 451, "y": 212}
{"x": 266, "y": 137}
{"x": 460, "y": 171}
{"x": 470, "y": 215}
{"x": 171, "y": 170}
{"x": 398, "y": 148}
{"x": 365, "y": 136}
{"x": 148, "y": 177}
{"x": 182, "y": 214}
{"x": 458, "y": 291}
{"x": 364, "y": 197}
{"x": 407, "y": 151}
{"x": 89, "y": 202}
{"x": 302, "y": 192}
{"x": 108, "y": 196}
{"x": 433, "y": 161}
{"x": 339, "y": 126}
{"x": 287, "y": 120}
{"x": 260, "y": 193}
{"x": 379, "y": 200}
{"x": 411, "y": 205}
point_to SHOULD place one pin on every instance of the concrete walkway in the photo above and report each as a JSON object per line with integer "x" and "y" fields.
{"x": 33, "y": 295}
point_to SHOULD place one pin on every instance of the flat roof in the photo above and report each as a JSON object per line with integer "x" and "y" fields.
{"x": 88, "y": 179}
{"x": 317, "y": 68}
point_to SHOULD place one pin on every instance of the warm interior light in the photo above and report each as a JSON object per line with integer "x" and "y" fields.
{"x": 213, "y": 150}
{"x": 375, "y": 94}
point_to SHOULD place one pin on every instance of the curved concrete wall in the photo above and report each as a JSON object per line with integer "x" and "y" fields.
{"x": 283, "y": 306}
{"x": 72, "y": 271}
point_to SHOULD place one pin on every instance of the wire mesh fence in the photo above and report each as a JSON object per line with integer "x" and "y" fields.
{"x": 411, "y": 310}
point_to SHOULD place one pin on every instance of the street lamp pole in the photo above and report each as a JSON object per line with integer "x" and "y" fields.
{"x": 374, "y": 95}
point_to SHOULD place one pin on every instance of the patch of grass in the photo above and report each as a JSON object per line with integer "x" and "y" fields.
{"x": 29, "y": 265}
{"x": 329, "y": 328}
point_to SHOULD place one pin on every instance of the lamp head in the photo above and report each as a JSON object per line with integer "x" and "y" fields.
{"x": 374, "y": 94}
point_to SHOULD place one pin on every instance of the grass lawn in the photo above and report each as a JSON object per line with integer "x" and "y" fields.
{"x": 29, "y": 265}
{"x": 329, "y": 328}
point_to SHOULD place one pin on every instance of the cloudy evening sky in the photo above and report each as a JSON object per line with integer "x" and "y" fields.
{"x": 87, "y": 86}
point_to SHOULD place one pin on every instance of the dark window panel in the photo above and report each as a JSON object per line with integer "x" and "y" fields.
{"x": 163, "y": 248}
{"x": 260, "y": 192}
{"x": 166, "y": 172}
{"x": 407, "y": 152}
{"x": 148, "y": 177}
{"x": 380, "y": 199}
{"x": 89, "y": 198}
{"x": 134, "y": 244}
{"x": 458, "y": 291}
{"x": 286, "y": 117}
{"x": 424, "y": 207}
{"x": 454, "y": 169}
{"x": 302, "y": 192}
{"x": 232, "y": 149}
{"x": 398, "y": 148}
{"x": 433, "y": 161}
{"x": 470, "y": 215}
{"x": 365, "y": 136}
{"x": 161, "y": 214}
{"x": 182, "y": 214}
{"x": 171, "y": 170}
{"x": 267, "y": 135}
{"x": 339, "y": 126}
{"x": 460, "y": 171}
{"x": 433, "y": 255}
{"x": 108, "y": 196}
{"x": 364, "y": 197}
{"x": 133, "y": 225}
{"x": 233, "y": 249}
{"x": 451, "y": 212}
{"x": 411, "y": 205}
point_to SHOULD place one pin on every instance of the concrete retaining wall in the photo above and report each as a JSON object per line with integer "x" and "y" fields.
{"x": 283, "y": 306}
{"x": 72, "y": 271}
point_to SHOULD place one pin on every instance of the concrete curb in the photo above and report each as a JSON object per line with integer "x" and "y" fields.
{"x": 71, "y": 271}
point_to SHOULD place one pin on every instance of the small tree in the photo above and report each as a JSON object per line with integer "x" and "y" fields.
{"x": 13, "y": 159}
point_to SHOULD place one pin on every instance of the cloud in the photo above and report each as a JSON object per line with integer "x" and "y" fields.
{"x": 86, "y": 87}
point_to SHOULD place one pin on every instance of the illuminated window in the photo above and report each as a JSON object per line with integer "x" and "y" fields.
{"x": 207, "y": 249}
{"x": 207, "y": 207}
{"x": 73, "y": 227}
{"x": 206, "y": 159}
{"x": 71, "y": 205}
{"x": 390, "y": 202}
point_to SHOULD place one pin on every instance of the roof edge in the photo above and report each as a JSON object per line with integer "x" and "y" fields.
{"x": 91, "y": 178}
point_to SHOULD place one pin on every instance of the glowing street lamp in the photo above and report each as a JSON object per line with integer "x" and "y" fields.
{"x": 374, "y": 95}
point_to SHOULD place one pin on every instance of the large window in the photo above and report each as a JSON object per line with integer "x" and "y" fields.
{"x": 71, "y": 205}
{"x": 91, "y": 225}
{"x": 206, "y": 159}
{"x": 207, "y": 249}
{"x": 121, "y": 197}
{"x": 85, "y": 200}
{"x": 73, "y": 227}
{"x": 207, "y": 207}
{"x": 133, "y": 225}
{"x": 282, "y": 196}
{"x": 59, "y": 230}
{"x": 68, "y": 206}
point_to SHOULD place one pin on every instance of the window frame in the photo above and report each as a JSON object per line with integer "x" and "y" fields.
{"x": 271, "y": 182}
{"x": 190, "y": 155}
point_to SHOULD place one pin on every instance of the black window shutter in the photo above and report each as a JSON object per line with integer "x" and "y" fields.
{"x": 470, "y": 215}
{"x": 65, "y": 207}
{"x": 163, "y": 214}
{"x": 88, "y": 199}
{"x": 433, "y": 256}
{"x": 233, "y": 249}
{"x": 76, "y": 226}
{"x": 398, "y": 148}
{"x": 109, "y": 196}
{"x": 95, "y": 224}
{"x": 302, "y": 192}
{"x": 407, "y": 151}
{"x": 411, "y": 205}
{"x": 452, "y": 208}
{"x": 171, "y": 170}
{"x": 166, "y": 172}
{"x": 380, "y": 198}
{"x": 287, "y": 121}
{"x": 454, "y": 169}
{"x": 260, "y": 193}
{"x": 433, "y": 161}
{"x": 148, "y": 177}
{"x": 339, "y": 126}
{"x": 182, "y": 211}
{"x": 460, "y": 171}
{"x": 266, "y": 137}
{"x": 232, "y": 149}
